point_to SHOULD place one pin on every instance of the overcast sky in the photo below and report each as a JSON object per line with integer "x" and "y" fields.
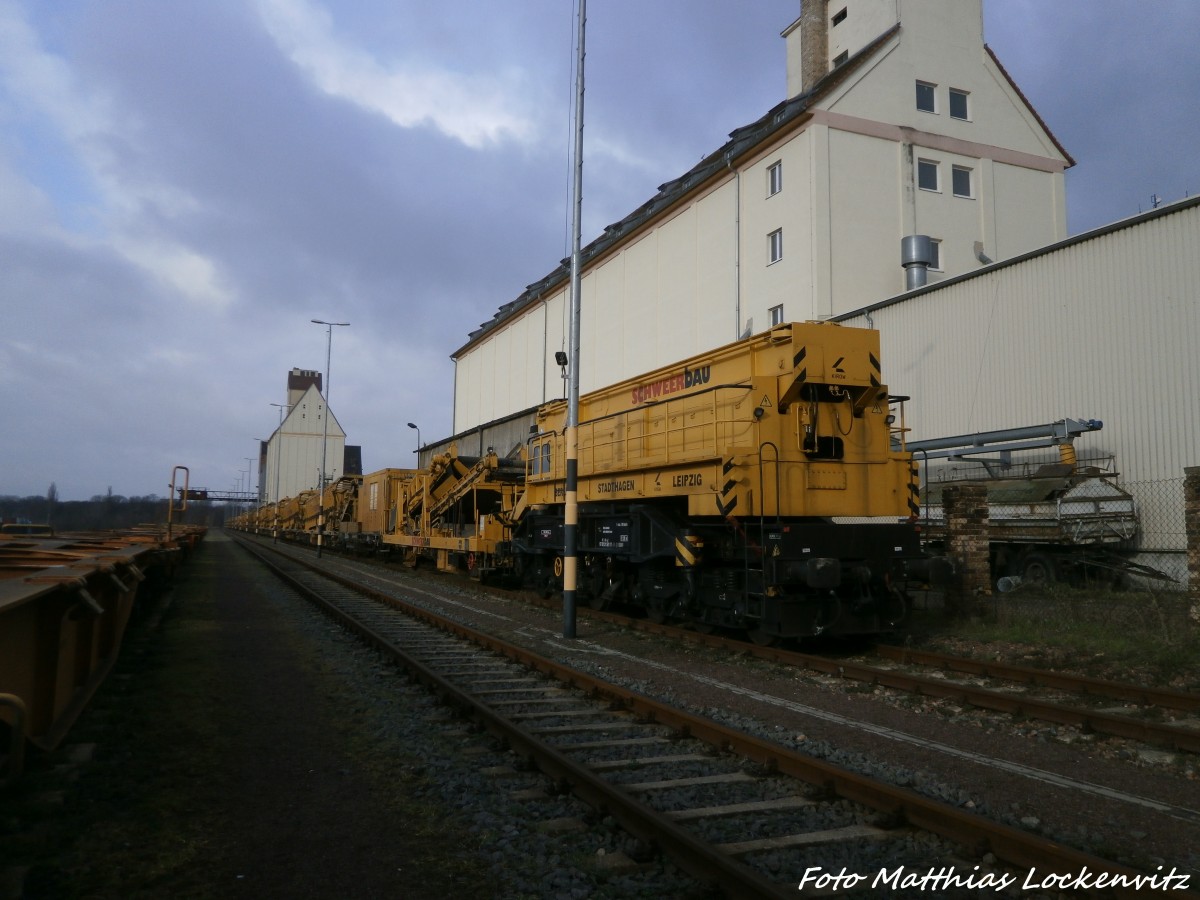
{"x": 184, "y": 184}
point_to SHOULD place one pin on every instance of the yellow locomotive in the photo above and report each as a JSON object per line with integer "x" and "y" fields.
{"x": 755, "y": 487}
{"x": 710, "y": 490}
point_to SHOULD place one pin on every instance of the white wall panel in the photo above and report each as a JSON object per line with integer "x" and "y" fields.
{"x": 866, "y": 179}
{"x": 1099, "y": 328}
{"x": 675, "y": 300}
{"x": 713, "y": 312}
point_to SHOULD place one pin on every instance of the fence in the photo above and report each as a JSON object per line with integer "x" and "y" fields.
{"x": 1162, "y": 540}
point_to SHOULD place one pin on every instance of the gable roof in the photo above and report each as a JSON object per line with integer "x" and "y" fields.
{"x": 742, "y": 141}
{"x": 785, "y": 116}
{"x": 292, "y": 418}
{"x": 1046, "y": 128}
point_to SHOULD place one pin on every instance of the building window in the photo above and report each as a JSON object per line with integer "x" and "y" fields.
{"x": 926, "y": 97}
{"x": 838, "y": 18}
{"x": 775, "y": 246}
{"x": 935, "y": 254}
{"x": 841, "y": 58}
{"x": 776, "y": 313}
{"x": 958, "y": 105}
{"x": 961, "y": 177}
{"x": 927, "y": 175}
{"x": 774, "y": 179}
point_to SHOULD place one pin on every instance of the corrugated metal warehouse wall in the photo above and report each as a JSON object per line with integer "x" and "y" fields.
{"x": 1101, "y": 326}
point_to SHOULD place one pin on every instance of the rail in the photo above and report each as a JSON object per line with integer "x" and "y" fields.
{"x": 1011, "y": 845}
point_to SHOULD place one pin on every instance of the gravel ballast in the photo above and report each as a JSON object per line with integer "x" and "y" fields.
{"x": 248, "y": 747}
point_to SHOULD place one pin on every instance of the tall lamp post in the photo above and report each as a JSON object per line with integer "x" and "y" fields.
{"x": 324, "y": 431}
{"x": 259, "y": 497}
{"x": 278, "y": 465}
{"x": 249, "y": 480}
{"x": 418, "y": 450}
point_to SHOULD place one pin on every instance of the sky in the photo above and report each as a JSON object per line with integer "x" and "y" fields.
{"x": 185, "y": 185}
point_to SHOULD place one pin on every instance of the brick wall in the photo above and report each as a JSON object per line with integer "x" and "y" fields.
{"x": 966, "y": 510}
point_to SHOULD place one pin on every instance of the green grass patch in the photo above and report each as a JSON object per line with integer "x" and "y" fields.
{"x": 1136, "y": 629}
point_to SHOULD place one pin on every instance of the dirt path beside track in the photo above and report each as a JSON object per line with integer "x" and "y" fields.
{"x": 231, "y": 759}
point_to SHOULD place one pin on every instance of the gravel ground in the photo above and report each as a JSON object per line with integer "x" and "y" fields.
{"x": 246, "y": 747}
{"x": 805, "y": 710}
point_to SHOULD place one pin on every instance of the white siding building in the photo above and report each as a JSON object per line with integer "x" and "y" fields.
{"x": 291, "y": 462}
{"x": 1100, "y": 326}
{"x": 900, "y": 121}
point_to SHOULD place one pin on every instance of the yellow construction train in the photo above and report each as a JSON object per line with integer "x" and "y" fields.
{"x": 754, "y": 487}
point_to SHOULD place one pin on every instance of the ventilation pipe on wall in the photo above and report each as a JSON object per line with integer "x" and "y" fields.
{"x": 916, "y": 256}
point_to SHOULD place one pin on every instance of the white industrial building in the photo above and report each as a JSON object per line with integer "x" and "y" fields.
{"x": 1098, "y": 326}
{"x": 901, "y": 122}
{"x": 290, "y": 461}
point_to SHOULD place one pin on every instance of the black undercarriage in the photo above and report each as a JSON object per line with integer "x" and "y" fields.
{"x": 771, "y": 578}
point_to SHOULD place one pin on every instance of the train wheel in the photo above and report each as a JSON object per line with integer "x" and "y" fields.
{"x": 656, "y": 611}
{"x": 761, "y": 637}
{"x": 596, "y": 583}
{"x": 1038, "y": 568}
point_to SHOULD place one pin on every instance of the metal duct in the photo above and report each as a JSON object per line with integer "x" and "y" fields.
{"x": 916, "y": 255}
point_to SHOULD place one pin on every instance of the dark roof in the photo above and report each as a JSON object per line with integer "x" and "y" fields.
{"x": 742, "y": 141}
{"x": 1025, "y": 100}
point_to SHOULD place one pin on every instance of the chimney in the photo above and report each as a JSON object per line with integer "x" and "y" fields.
{"x": 808, "y": 46}
{"x": 916, "y": 256}
{"x": 299, "y": 381}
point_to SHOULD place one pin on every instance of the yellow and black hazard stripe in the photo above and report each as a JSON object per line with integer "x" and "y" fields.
{"x": 914, "y": 492}
{"x": 800, "y": 371}
{"x": 727, "y": 498}
{"x": 688, "y": 548}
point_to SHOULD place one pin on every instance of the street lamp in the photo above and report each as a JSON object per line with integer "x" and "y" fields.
{"x": 418, "y": 450}
{"x": 278, "y": 465}
{"x": 324, "y": 431}
{"x": 258, "y": 494}
{"x": 249, "y": 480}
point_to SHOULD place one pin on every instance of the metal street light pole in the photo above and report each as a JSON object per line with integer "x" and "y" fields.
{"x": 249, "y": 480}
{"x": 259, "y": 496}
{"x": 571, "y": 435}
{"x": 418, "y": 450}
{"x": 325, "y": 432}
{"x": 278, "y": 465}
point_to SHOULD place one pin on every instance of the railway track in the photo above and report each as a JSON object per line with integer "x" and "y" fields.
{"x": 733, "y": 810}
{"x": 1055, "y": 697}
